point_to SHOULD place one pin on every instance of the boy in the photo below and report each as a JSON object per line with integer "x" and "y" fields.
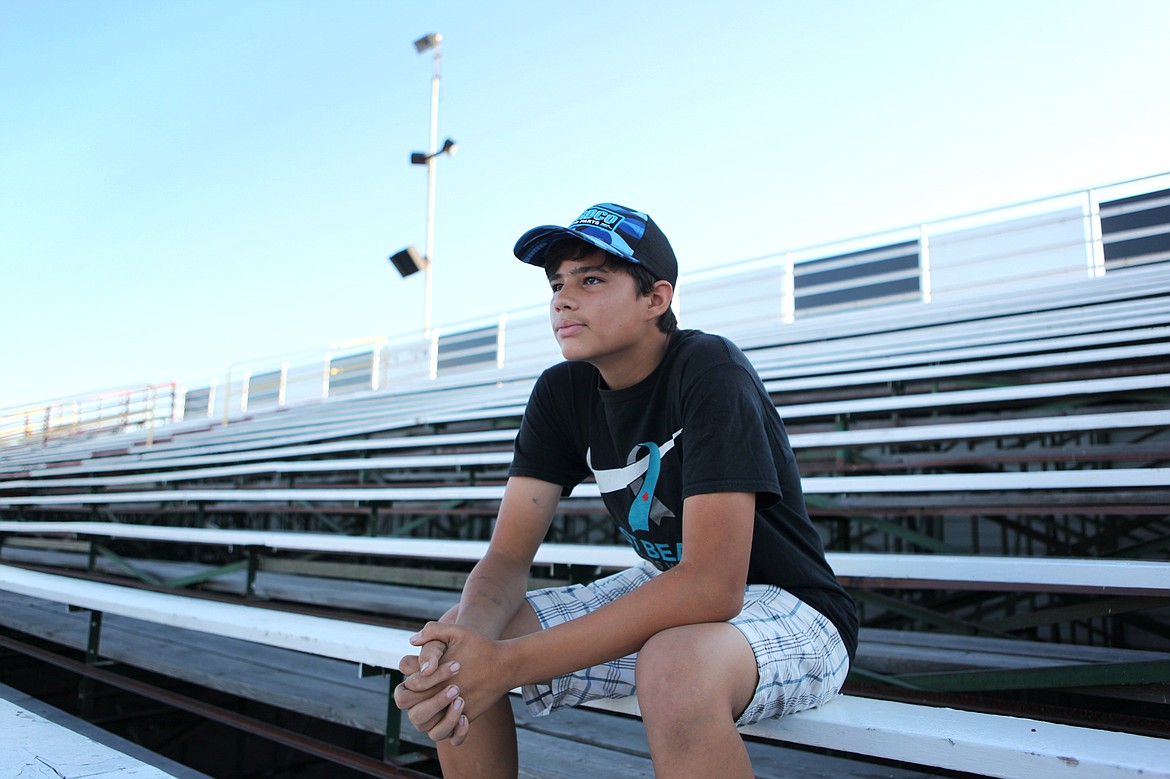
{"x": 734, "y": 616}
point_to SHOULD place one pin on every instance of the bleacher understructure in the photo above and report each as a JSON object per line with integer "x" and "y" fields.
{"x": 981, "y": 415}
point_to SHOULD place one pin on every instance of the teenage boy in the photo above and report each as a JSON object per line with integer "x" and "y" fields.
{"x": 734, "y": 616}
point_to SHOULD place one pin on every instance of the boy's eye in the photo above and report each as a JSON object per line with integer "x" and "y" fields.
{"x": 586, "y": 281}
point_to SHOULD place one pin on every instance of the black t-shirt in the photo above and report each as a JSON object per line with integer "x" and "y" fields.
{"x": 701, "y": 423}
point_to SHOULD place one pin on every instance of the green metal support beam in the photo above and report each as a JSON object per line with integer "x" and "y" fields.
{"x": 208, "y": 575}
{"x": 182, "y": 581}
{"x": 129, "y": 568}
{"x": 1080, "y": 675}
{"x": 1089, "y": 609}
{"x": 865, "y": 675}
{"x": 392, "y": 741}
{"x": 924, "y": 614}
{"x": 321, "y": 517}
{"x": 920, "y": 540}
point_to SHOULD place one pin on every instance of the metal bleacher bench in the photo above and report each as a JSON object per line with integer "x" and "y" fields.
{"x": 1112, "y": 576}
{"x": 1080, "y": 479}
{"x": 987, "y": 744}
{"x": 271, "y": 459}
{"x": 1019, "y": 340}
{"x": 206, "y": 451}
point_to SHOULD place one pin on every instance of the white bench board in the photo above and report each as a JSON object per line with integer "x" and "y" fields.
{"x": 985, "y": 744}
{"x": 1055, "y": 389}
{"x": 272, "y": 451}
{"x": 991, "y": 428}
{"x": 1110, "y": 478}
{"x": 292, "y": 466}
{"x": 1109, "y": 575}
{"x": 370, "y": 644}
{"x": 870, "y": 372}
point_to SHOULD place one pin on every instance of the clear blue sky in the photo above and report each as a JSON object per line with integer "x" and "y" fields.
{"x": 191, "y": 184}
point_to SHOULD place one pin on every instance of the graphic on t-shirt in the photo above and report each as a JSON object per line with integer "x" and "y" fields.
{"x": 644, "y": 492}
{"x": 640, "y": 476}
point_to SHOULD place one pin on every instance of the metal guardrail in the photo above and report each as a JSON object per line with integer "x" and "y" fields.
{"x": 142, "y": 408}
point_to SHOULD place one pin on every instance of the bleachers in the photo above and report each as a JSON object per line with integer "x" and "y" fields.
{"x": 1122, "y": 301}
{"x": 989, "y": 470}
{"x": 1056, "y": 398}
{"x": 926, "y": 735}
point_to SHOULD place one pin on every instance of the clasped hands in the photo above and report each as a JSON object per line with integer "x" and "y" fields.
{"x": 457, "y": 675}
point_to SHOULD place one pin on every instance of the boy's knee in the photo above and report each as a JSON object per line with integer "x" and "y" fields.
{"x": 670, "y": 673}
{"x": 667, "y": 651}
{"x": 695, "y": 672}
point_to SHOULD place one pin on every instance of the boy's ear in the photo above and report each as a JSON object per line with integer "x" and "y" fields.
{"x": 659, "y": 298}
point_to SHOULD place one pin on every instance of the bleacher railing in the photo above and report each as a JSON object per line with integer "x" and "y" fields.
{"x": 143, "y": 408}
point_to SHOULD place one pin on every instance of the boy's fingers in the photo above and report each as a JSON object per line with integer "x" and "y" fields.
{"x": 420, "y": 682}
{"x": 461, "y": 730}
{"x": 415, "y": 689}
{"x": 434, "y": 631}
{"x": 430, "y": 655}
{"x": 424, "y": 714}
{"x": 409, "y": 664}
{"x": 448, "y": 726}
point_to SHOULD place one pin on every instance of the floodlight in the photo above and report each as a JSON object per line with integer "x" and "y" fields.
{"x": 428, "y": 42}
{"x": 407, "y": 261}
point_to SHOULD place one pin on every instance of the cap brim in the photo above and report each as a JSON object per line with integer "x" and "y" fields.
{"x": 534, "y": 244}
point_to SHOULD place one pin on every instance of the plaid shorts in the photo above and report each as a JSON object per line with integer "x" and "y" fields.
{"x": 801, "y": 658}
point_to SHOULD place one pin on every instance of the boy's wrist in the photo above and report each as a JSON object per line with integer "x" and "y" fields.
{"x": 516, "y": 663}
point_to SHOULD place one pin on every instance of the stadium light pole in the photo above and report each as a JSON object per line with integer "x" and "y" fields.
{"x": 431, "y": 43}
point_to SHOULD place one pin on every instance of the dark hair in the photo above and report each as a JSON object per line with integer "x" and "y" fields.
{"x": 572, "y": 249}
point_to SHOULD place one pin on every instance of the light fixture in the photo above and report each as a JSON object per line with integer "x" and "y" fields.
{"x": 408, "y": 261}
{"x": 428, "y": 42}
{"x": 422, "y": 158}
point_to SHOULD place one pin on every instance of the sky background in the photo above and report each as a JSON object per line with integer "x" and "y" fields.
{"x": 190, "y": 185}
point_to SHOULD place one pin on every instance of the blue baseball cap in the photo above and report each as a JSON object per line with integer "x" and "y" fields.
{"x": 623, "y": 232}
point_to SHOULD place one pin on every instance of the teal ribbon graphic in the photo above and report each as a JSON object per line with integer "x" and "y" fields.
{"x": 640, "y": 509}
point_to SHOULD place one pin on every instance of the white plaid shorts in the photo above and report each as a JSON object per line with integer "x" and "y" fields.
{"x": 801, "y": 658}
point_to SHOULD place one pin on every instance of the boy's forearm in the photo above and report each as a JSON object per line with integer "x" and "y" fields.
{"x": 497, "y": 584}
{"x": 493, "y": 592}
